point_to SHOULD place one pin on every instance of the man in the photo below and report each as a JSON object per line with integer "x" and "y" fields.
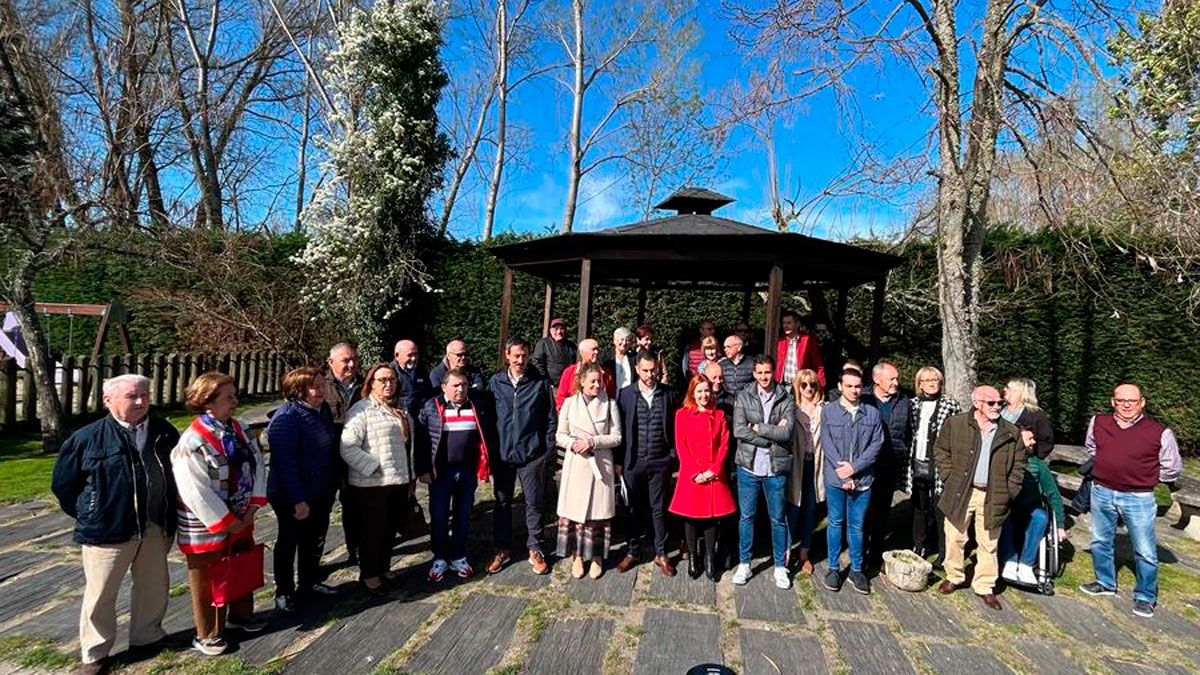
{"x": 456, "y": 358}
{"x": 750, "y": 345}
{"x": 693, "y": 353}
{"x": 763, "y": 415}
{"x": 114, "y": 478}
{"x": 412, "y": 380}
{"x": 644, "y": 458}
{"x": 894, "y": 408}
{"x": 343, "y": 388}
{"x": 851, "y": 440}
{"x": 554, "y": 353}
{"x": 737, "y": 369}
{"x": 623, "y": 364}
{"x": 797, "y": 350}
{"x": 1132, "y": 452}
{"x": 525, "y": 426}
{"x": 454, "y": 432}
{"x": 981, "y": 458}
{"x": 589, "y": 352}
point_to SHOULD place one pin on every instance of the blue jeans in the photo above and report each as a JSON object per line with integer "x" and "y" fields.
{"x": 847, "y": 511}
{"x": 773, "y": 489}
{"x": 1034, "y": 531}
{"x": 1138, "y": 510}
{"x": 802, "y": 518}
{"x": 452, "y": 491}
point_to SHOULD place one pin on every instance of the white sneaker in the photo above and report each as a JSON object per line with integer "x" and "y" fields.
{"x": 462, "y": 568}
{"x": 1026, "y": 576}
{"x": 1010, "y": 570}
{"x": 742, "y": 574}
{"x": 781, "y": 578}
{"x": 437, "y": 570}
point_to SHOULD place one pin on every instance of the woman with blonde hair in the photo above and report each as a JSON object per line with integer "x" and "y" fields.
{"x": 1020, "y": 396}
{"x": 805, "y": 489}
{"x": 589, "y": 427}
{"x": 930, "y": 410}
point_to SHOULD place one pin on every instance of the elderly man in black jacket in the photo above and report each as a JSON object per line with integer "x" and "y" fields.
{"x": 114, "y": 478}
{"x": 894, "y": 411}
{"x": 525, "y": 426}
{"x": 555, "y": 352}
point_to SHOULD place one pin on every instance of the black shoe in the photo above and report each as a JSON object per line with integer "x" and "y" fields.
{"x": 352, "y": 559}
{"x": 860, "y": 582}
{"x": 695, "y": 566}
{"x": 710, "y": 564}
{"x": 833, "y": 580}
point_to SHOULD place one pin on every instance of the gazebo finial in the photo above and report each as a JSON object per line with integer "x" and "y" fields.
{"x": 694, "y": 200}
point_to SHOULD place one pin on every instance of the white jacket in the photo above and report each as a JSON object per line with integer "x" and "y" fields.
{"x": 375, "y": 447}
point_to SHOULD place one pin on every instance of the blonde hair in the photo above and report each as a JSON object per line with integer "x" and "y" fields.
{"x": 806, "y": 375}
{"x": 928, "y": 370}
{"x": 709, "y": 342}
{"x": 1026, "y": 388}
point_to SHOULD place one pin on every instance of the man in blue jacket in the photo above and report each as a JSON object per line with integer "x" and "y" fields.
{"x": 851, "y": 439}
{"x": 413, "y": 386}
{"x": 525, "y": 426}
{"x": 894, "y": 408}
{"x": 114, "y": 478}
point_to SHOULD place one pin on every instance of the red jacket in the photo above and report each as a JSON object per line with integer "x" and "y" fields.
{"x": 702, "y": 441}
{"x": 566, "y": 384}
{"x": 808, "y": 355}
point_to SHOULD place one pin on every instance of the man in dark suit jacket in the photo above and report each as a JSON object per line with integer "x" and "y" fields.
{"x": 894, "y": 408}
{"x": 644, "y": 457}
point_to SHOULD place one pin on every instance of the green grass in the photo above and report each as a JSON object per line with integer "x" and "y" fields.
{"x": 29, "y": 652}
{"x": 222, "y": 665}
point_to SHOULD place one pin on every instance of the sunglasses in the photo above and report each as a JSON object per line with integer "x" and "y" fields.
{"x": 991, "y": 404}
{"x": 808, "y": 385}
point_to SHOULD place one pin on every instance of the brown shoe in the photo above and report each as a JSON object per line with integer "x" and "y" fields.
{"x": 664, "y": 565}
{"x": 627, "y": 563}
{"x": 947, "y": 587}
{"x": 991, "y": 601}
{"x": 502, "y": 558}
{"x": 538, "y": 562}
{"x": 94, "y": 668}
{"x": 806, "y": 566}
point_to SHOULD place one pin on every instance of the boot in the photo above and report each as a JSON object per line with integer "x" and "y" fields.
{"x": 710, "y": 562}
{"x": 695, "y": 568}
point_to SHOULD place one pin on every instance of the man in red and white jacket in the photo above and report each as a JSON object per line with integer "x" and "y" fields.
{"x": 796, "y": 350}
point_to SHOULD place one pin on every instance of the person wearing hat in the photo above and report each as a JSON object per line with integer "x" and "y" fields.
{"x": 555, "y": 352}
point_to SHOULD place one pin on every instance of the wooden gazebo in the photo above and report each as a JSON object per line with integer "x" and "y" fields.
{"x": 695, "y": 250}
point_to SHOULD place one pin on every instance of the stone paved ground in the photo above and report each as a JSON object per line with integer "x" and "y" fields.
{"x": 640, "y": 623}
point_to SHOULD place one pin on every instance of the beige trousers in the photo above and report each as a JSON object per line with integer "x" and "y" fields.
{"x": 987, "y": 568}
{"x": 104, "y": 568}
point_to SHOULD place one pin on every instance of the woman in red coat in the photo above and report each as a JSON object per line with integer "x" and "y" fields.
{"x": 702, "y": 494}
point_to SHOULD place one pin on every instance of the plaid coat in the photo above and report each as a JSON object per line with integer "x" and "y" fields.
{"x": 208, "y": 501}
{"x": 945, "y": 408}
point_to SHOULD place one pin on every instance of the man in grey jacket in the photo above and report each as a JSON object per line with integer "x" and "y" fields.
{"x": 763, "y": 415}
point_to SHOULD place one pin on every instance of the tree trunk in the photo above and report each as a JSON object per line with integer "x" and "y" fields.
{"x": 502, "y": 38}
{"x": 575, "y": 163}
{"x": 468, "y": 158}
{"x": 41, "y": 365}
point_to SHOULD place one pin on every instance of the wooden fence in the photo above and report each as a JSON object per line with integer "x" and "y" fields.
{"x": 79, "y": 380}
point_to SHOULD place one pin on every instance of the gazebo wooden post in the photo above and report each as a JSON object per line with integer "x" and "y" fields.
{"x": 547, "y": 306}
{"x": 839, "y": 321}
{"x": 641, "y": 315}
{"x": 747, "y": 295}
{"x": 505, "y": 309}
{"x": 877, "y": 317}
{"x": 585, "y": 299}
{"x": 774, "y": 299}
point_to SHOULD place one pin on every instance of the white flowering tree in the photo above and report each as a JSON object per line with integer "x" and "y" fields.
{"x": 383, "y": 82}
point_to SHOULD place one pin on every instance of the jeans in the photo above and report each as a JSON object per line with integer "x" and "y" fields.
{"x": 452, "y": 491}
{"x": 1035, "y": 529}
{"x": 847, "y": 511}
{"x": 504, "y": 480}
{"x": 802, "y": 518}
{"x": 1138, "y": 511}
{"x": 774, "y": 490}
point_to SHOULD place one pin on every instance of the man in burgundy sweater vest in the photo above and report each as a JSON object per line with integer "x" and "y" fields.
{"x": 1132, "y": 453}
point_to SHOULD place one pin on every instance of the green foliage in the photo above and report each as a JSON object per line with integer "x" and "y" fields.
{"x": 29, "y": 652}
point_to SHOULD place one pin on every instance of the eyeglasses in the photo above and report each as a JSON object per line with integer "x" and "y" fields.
{"x": 929, "y": 379}
{"x": 1127, "y": 401}
{"x": 385, "y": 380}
{"x": 990, "y": 404}
{"x": 458, "y": 355}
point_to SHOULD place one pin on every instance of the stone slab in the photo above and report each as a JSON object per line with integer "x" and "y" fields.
{"x": 682, "y": 588}
{"x": 33, "y": 528}
{"x": 20, "y": 510}
{"x": 467, "y": 644}
{"x": 1047, "y": 657}
{"x": 1164, "y": 621}
{"x": 359, "y": 643}
{"x": 570, "y": 646}
{"x": 845, "y": 600}
{"x": 518, "y": 573}
{"x": 870, "y": 649}
{"x": 920, "y": 613}
{"x": 956, "y": 659}
{"x": 760, "y": 600}
{"x": 1131, "y": 668}
{"x": 16, "y": 562}
{"x": 1011, "y": 615}
{"x": 614, "y": 588}
{"x": 284, "y": 629}
{"x": 1084, "y": 622}
{"x": 673, "y": 642}
{"x": 772, "y": 653}
{"x": 59, "y": 623}
{"x": 32, "y": 592}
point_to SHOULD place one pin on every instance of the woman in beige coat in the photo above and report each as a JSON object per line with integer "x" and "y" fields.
{"x": 805, "y": 488}
{"x": 588, "y": 429}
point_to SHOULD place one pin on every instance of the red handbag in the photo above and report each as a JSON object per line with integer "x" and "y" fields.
{"x": 236, "y": 575}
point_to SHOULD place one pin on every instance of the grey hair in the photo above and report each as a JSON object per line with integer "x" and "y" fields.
{"x": 880, "y": 367}
{"x": 112, "y": 384}
{"x": 621, "y": 333}
{"x": 340, "y": 346}
{"x": 734, "y": 336}
{"x": 1027, "y": 389}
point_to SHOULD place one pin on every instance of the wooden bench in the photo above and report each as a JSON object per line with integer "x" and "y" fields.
{"x": 1185, "y": 492}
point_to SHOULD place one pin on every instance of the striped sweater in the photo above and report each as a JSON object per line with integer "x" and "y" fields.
{"x": 208, "y": 502}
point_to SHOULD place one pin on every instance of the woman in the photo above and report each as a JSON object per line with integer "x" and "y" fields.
{"x": 1038, "y": 489}
{"x": 708, "y": 347}
{"x": 644, "y": 334}
{"x": 930, "y": 411}
{"x": 222, "y": 482}
{"x": 702, "y": 495}
{"x": 589, "y": 427}
{"x": 805, "y": 488}
{"x": 1022, "y": 409}
{"x": 301, "y": 483}
{"x": 377, "y": 448}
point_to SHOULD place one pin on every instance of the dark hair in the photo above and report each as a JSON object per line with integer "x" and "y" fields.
{"x": 850, "y": 372}
{"x": 296, "y": 382}
{"x": 515, "y": 341}
{"x": 643, "y": 330}
{"x": 369, "y": 379}
{"x": 764, "y": 358}
{"x": 647, "y": 355}
{"x": 456, "y": 372}
{"x": 787, "y": 312}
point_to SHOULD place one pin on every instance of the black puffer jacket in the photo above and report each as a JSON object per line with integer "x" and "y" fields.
{"x": 552, "y": 358}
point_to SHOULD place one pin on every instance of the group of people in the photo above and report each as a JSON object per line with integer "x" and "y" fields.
{"x": 745, "y": 429}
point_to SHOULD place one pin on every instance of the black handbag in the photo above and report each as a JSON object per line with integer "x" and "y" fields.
{"x": 1082, "y": 501}
{"x": 922, "y": 470}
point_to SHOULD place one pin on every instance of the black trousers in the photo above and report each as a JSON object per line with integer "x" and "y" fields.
{"x": 381, "y": 512}
{"x": 648, "y": 503}
{"x": 299, "y": 542}
{"x": 350, "y": 520}
{"x": 926, "y": 521}
{"x": 701, "y": 533}
{"x": 879, "y": 512}
{"x": 505, "y": 477}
